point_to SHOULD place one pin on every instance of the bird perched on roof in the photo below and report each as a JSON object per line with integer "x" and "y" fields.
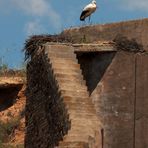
{"x": 88, "y": 10}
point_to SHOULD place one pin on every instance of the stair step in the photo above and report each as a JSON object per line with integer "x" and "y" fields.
{"x": 70, "y": 144}
{"x": 85, "y": 124}
{"x": 61, "y": 55}
{"x": 65, "y": 71}
{"x": 75, "y": 138}
{"x": 79, "y": 107}
{"x": 79, "y": 102}
{"x": 61, "y": 49}
{"x": 80, "y": 129}
{"x": 69, "y": 86}
{"x": 73, "y": 96}
{"x": 74, "y": 93}
{"x": 83, "y": 114}
{"x": 84, "y": 130}
{"x": 69, "y": 76}
{"x": 82, "y": 100}
{"x": 81, "y": 133}
{"x": 84, "y": 121}
{"x": 65, "y": 65}
{"x": 60, "y": 59}
{"x": 67, "y": 61}
{"x": 66, "y": 88}
{"x": 70, "y": 79}
{"x": 73, "y": 81}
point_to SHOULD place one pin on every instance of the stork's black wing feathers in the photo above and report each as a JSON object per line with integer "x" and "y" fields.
{"x": 82, "y": 16}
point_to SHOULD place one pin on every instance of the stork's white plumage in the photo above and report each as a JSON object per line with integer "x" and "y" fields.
{"x": 88, "y": 10}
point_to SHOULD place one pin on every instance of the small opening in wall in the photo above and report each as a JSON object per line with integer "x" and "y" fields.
{"x": 8, "y": 95}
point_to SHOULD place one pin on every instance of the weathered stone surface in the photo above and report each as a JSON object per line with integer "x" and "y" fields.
{"x": 117, "y": 88}
{"x": 111, "y": 81}
{"x": 136, "y": 29}
{"x": 141, "y": 102}
{"x": 76, "y": 98}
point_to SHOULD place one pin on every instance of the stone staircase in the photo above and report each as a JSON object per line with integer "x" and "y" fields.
{"x": 85, "y": 127}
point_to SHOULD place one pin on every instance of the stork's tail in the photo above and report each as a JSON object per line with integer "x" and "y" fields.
{"x": 82, "y": 18}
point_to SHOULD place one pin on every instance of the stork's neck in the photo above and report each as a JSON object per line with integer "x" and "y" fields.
{"x": 94, "y": 2}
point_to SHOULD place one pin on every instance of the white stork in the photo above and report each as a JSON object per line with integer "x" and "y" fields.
{"x": 88, "y": 10}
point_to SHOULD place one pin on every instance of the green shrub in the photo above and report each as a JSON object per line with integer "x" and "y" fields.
{"x": 4, "y": 67}
{"x": 7, "y": 129}
{"x": 20, "y": 146}
{"x": 1, "y": 144}
{"x": 2, "y": 133}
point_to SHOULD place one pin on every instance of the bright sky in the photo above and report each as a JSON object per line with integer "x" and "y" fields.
{"x": 21, "y": 18}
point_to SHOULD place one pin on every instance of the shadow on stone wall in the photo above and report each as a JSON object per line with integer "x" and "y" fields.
{"x": 94, "y": 65}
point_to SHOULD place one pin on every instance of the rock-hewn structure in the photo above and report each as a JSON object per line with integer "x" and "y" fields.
{"x": 87, "y": 95}
{"x": 60, "y": 101}
{"x": 136, "y": 29}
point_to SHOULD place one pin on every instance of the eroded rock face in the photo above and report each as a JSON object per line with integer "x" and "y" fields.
{"x": 12, "y": 109}
{"x": 9, "y": 89}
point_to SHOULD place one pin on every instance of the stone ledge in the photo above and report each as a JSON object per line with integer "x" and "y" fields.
{"x": 89, "y": 47}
